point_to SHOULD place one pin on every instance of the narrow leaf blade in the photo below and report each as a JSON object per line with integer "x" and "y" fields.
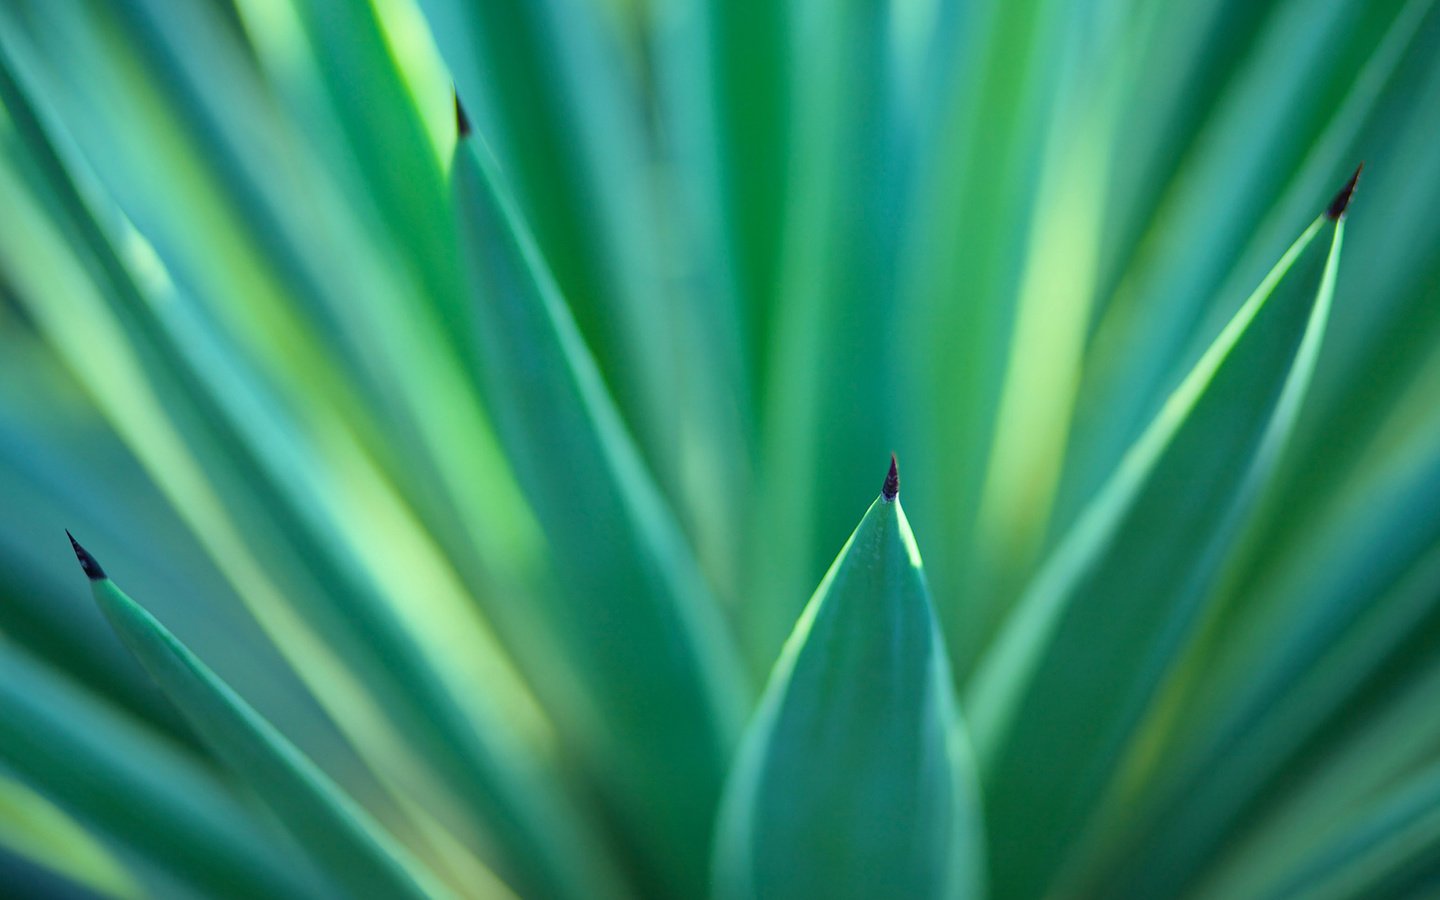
{"x": 337, "y": 833}
{"x": 645, "y": 644}
{"x": 134, "y": 790}
{"x": 1055, "y": 708}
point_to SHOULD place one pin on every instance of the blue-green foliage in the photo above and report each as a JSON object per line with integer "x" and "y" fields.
{"x": 468, "y": 486}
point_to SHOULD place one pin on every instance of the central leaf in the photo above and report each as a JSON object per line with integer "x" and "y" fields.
{"x": 855, "y": 778}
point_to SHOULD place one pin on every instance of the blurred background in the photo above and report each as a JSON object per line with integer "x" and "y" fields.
{"x": 990, "y": 237}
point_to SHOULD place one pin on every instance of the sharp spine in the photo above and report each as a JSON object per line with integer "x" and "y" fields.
{"x": 1336, "y": 210}
{"x": 88, "y": 565}
{"x": 462, "y": 121}
{"x": 891, "y": 490}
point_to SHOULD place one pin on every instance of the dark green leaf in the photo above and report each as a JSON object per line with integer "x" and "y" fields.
{"x": 1055, "y": 705}
{"x": 855, "y": 779}
{"x": 138, "y": 791}
{"x": 641, "y": 629}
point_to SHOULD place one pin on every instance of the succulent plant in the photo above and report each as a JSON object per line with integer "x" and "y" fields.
{"x": 465, "y": 397}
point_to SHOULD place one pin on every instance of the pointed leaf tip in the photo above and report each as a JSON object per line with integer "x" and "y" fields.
{"x": 88, "y": 565}
{"x": 462, "y": 121}
{"x": 891, "y": 490}
{"x": 1337, "y": 207}
{"x": 854, "y": 778}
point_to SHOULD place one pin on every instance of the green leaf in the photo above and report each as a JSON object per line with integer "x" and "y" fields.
{"x": 724, "y": 70}
{"x": 1339, "y": 615}
{"x": 968, "y": 281}
{"x": 1054, "y": 707}
{"x": 551, "y": 93}
{"x": 37, "y": 837}
{"x": 337, "y": 833}
{"x": 829, "y": 401}
{"x": 384, "y": 130}
{"x": 1358, "y": 811}
{"x": 135, "y": 790}
{"x": 639, "y": 626}
{"x": 276, "y": 498}
{"x": 1388, "y": 851}
{"x": 855, "y": 778}
{"x": 1382, "y": 343}
{"x": 1302, "y": 88}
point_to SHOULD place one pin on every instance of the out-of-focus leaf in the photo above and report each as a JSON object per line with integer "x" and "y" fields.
{"x": 1369, "y": 786}
{"x": 711, "y": 296}
{"x": 1285, "y": 98}
{"x": 725, "y": 71}
{"x": 854, "y": 778}
{"x": 1387, "y": 851}
{"x": 33, "y": 829}
{"x": 24, "y": 876}
{"x": 337, "y": 834}
{"x": 979, "y": 188}
{"x": 642, "y": 632}
{"x": 385, "y": 131}
{"x": 457, "y": 752}
{"x": 135, "y": 790}
{"x": 1060, "y": 199}
{"x": 548, "y": 90}
{"x": 1055, "y": 708}
{"x": 1285, "y": 677}
{"x": 830, "y": 403}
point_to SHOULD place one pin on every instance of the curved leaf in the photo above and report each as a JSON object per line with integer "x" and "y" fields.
{"x": 1357, "y": 814}
{"x": 1054, "y": 708}
{"x": 855, "y": 777}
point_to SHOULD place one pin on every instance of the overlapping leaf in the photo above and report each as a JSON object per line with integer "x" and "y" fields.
{"x": 510, "y": 530}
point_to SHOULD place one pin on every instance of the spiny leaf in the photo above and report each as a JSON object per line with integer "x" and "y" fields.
{"x": 240, "y": 429}
{"x": 827, "y": 396}
{"x": 338, "y": 834}
{"x": 982, "y": 200}
{"x": 1231, "y": 165}
{"x": 854, "y": 778}
{"x": 1054, "y": 708}
{"x": 661, "y": 684}
{"x": 541, "y": 88}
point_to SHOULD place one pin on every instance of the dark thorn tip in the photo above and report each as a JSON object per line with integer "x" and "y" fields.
{"x": 1337, "y": 207}
{"x": 88, "y": 565}
{"x": 891, "y": 490}
{"x": 462, "y": 121}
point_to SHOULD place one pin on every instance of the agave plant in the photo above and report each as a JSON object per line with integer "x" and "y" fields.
{"x": 471, "y": 393}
